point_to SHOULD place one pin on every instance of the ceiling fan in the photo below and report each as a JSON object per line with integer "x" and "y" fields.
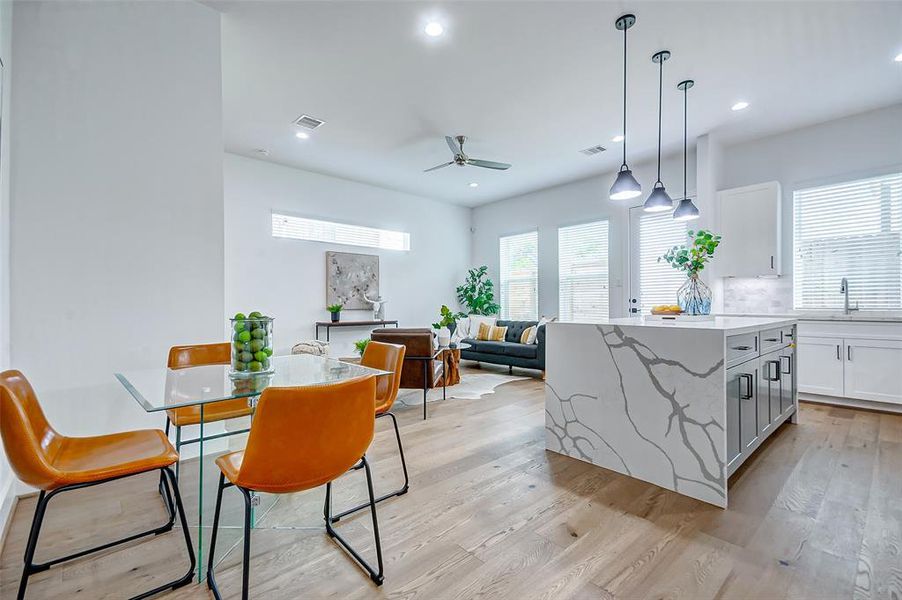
{"x": 457, "y": 147}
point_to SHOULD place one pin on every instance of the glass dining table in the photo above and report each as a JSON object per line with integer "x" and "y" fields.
{"x": 163, "y": 389}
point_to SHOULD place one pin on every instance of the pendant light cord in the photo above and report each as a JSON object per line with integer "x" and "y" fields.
{"x": 685, "y": 133}
{"x": 624, "y": 98}
{"x": 660, "y": 101}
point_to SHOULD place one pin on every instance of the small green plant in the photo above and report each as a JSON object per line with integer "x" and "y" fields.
{"x": 448, "y": 318}
{"x": 334, "y": 308}
{"x": 692, "y": 258}
{"x": 477, "y": 293}
{"x": 360, "y": 345}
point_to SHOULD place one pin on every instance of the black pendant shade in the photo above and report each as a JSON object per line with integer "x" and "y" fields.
{"x": 686, "y": 210}
{"x": 659, "y": 200}
{"x": 625, "y": 186}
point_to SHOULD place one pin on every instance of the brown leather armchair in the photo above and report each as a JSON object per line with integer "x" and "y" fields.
{"x": 419, "y": 343}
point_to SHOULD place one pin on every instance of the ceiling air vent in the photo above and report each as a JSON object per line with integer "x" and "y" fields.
{"x": 593, "y": 150}
{"x": 308, "y": 122}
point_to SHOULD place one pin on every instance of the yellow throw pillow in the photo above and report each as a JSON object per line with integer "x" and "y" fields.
{"x": 497, "y": 334}
{"x": 527, "y": 333}
{"x": 484, "y": 330}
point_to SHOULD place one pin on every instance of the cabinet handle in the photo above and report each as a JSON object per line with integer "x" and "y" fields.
{"x": 771, "y": 262}
{"x": 838, "y": 355}
{"x": 788, "y": 370}
{"x": 748, "y": 396}
{"x": 849, "y": 353}
{"x": 776, "y": 363}
{"x": 741, "y": 348}
{"x": 771, "y": 340}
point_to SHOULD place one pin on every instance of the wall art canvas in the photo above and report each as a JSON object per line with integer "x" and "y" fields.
{"x": 350, "y": 277}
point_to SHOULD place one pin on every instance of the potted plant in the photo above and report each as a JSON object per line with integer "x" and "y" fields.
{"x": 360, "y": 345}
{"x": 694, "y": 297}
{"x": 477, "y": 293}
{"x": 448, "y": 320}
{"x": 335, "y": 311}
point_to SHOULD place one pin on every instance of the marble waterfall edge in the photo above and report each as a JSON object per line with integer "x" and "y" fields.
{"x": 644, "y": 404}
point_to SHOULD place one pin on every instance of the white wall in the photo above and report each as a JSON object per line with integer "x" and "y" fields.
{"x": 116, "y": 172}
{"x": 6, "y": 476}
{"x": 569, "y": 204}
{"x": 858, "y": 146}
{"x": 286, "y": 278}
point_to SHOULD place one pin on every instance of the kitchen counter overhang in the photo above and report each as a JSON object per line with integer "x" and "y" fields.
{"x": 651, "y": 399}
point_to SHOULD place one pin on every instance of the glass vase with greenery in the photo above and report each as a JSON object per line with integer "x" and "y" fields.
{"x": 694, "y": 297}
{"x": 477, "y": 294}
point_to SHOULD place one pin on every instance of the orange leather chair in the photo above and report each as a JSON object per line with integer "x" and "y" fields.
{"x": 54, "y": 463}
{"x": 302, "y": 438}
{"x": 198, "y": 355}
{"x": 386, "y": 357}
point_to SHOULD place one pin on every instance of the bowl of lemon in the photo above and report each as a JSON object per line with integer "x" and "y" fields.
{"x": 251, "y": 345}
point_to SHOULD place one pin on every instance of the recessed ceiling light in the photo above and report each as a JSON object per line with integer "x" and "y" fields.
{"x": 617, "y": 139}
{"x": 898, "y": 57}
{"x": 474, "y": 184}
{"x": 742, "y": 105}
{"x": 302, "y": 135}
{"x": 434, "y": 29}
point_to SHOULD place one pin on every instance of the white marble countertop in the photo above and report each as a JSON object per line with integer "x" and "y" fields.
{"x": 730, "y": 324}
{"x": 862, "y": 317}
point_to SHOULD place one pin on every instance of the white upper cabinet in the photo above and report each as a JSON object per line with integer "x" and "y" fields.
{"x": 751, "y": 230}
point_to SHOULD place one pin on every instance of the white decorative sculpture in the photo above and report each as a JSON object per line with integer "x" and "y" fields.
{"x": 378, "y": 307}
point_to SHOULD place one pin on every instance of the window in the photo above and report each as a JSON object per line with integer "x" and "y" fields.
{"x": 658, "y": 281}
{"x": 583, "y": 272}
{"x": 849, "y": 230}
{"x": 520, "y": 277}
{"x": 299, "y": 228}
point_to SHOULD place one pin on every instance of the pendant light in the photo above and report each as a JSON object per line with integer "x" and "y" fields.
{"x": 625, "y": 186}
{"x": 659, "y": 200}
{"x": 685, "y": 210}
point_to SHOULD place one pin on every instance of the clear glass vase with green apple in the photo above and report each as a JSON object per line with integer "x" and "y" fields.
{"x": 251, "y": 345}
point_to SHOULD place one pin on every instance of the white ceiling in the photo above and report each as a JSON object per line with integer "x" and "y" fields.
{"x": 532, "y": 83}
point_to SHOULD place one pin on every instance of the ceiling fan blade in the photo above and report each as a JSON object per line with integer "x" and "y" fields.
{"x": 436, "y": 167}
{"x": 455, "y": 148}
{"x": 488, "y": 164}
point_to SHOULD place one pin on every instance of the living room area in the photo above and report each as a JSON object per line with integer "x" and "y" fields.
{"x": 293, "y": 293}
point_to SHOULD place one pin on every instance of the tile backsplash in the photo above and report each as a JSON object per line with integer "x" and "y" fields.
{"x": 757, "y": 295}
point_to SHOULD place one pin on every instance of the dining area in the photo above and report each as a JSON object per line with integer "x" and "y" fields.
{"x": 228, "y": 474}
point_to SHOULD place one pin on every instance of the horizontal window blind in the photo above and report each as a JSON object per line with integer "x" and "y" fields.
{"x": 583, "y": 272}
{"x": 851, "y": 230}
{"x": 520, "y": 276}
{"x": 658, "y": 281}
{"x": 299, "y": 228}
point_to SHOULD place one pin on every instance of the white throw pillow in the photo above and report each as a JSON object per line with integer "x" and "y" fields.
{"x": 542, "y": 321}
{"x": 533, "y": 334}
{"x": 462, "y": 331}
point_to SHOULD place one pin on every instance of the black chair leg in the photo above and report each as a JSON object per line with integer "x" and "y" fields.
{"x": 211, "y": 579}
{"x": 377, "y": 576}
{"x": 246, "y": 568}
{"x": 44, "y": 498}
{"x": 399, "y": 492}
{"x": 163, "y": 477}
{"x": 32, "y": 542}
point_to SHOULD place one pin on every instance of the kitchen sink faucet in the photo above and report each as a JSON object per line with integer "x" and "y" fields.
{"x": 844, "y": 290}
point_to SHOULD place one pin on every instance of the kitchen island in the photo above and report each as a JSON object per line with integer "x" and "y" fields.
{"x": 680, "y": 404}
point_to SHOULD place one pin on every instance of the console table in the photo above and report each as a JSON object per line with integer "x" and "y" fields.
{"x": 328, "y": 325}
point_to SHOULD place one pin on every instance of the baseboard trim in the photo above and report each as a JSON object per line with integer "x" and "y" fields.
{"x": 7, "y": 509}
{"x": 883, "y": 407}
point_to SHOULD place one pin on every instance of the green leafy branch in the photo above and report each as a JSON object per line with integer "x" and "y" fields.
{"x": 448, "y": 317}
{"x": 692, "y": 258}
{"x": 477, "y": 293}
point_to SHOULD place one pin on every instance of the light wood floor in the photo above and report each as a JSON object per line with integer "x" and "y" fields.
{"x": 817, "y": 513}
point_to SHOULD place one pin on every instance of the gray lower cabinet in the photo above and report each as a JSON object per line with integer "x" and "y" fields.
{"x": 761, "y": 395}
